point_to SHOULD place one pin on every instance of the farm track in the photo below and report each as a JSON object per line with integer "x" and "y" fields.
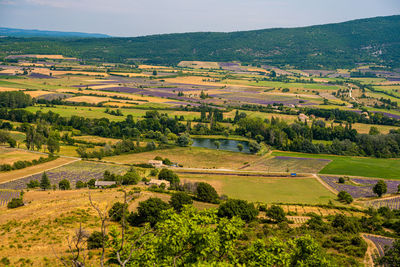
{"x": 234, "y": 173}
{"x": 325, "y": 184}
{"x": 25, "y": 172}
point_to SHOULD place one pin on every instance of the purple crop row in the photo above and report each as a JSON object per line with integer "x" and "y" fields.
{"x": 391, "y": 203}
{"x": 364, "y": 189}
{"x": 283, "y": 157}
{"x": 40, "y": 76}
{"x": 6, "y": 196}
{"x": 381, "y": 243}
{"x": 77, "y": 171}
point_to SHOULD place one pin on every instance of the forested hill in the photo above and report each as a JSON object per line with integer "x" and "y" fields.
{"x": 322, "y": 46}
{"x": 11, "y": 32}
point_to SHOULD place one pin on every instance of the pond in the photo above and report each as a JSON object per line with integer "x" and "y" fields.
{"x": 225, "y": 144}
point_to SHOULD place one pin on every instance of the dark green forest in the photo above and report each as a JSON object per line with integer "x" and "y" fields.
{"x": 374, "y": 40}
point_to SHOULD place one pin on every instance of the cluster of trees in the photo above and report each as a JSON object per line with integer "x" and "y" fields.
{"x": 131, "y": 177}
{"x": 121, "y": 147}
{"x": 299, "y": 136}
{"x": 14, "y": 99}
{"x": 114, "y": 112}
{"x": 20, "y": 164}
{"x": 352, "y": 117}
{"x": 5, "y": 137}
{"x": 153, "y": 121}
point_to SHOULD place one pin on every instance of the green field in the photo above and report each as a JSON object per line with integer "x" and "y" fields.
{"x": 269, "y": 190}
{"x": 354, "y": 166}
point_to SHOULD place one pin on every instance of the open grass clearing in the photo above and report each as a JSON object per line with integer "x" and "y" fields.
{"x": 10, "y": 155}
{"x": 288, "y": 165}
{"x": 266, "y": 189}
{"x": 354, "y": 166}
{"x": 191, "y": 157}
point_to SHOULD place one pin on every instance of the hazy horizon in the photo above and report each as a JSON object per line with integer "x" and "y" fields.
{"x": 138, "y": 17}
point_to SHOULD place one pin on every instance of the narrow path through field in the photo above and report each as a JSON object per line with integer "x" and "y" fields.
{"x": 325, "y": 185}
{"x": 25, "y": 172}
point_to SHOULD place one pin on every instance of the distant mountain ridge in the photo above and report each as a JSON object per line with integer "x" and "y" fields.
{"x": 339, "y": 45}
{"x": 12, "y": 32}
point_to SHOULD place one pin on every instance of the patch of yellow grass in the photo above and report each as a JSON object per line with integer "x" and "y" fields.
{"x": 9, "y": 155}
{"x": 88, "y": 99}
{"x": 37, "y": 93}
{"x": 96, "y": 139}
{"x": 152, "y": 67}
{"x": 130, "y": 74}
{"x": 4, "y": 89}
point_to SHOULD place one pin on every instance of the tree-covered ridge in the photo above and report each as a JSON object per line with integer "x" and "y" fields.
{"x": 323, "y": 46}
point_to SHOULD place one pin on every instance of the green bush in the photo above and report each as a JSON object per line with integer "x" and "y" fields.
{"x": 15, "y": 203}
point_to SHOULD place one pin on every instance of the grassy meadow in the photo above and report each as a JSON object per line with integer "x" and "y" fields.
{"x": 354, "y": 166}
{"x": 266, "y": 189}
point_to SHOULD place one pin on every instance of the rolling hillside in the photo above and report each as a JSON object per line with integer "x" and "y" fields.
{"x": 324, "y": 46}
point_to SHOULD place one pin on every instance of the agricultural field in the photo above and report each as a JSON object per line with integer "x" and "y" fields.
{"x": 266, "y": 189}
{"x": 392, "y": 203}
{"x": 7, "y": 195}
{"x": 353, "y": 166}
{"x": 380, "y": 243}
{"x": 9, "y": 155}
{"x": 8, "y": 176}
{"x": 191, "y": 157}
{"x": 76, "y": 171}
{"x": 359, "y": 187}
{"x": 288, "y": 164}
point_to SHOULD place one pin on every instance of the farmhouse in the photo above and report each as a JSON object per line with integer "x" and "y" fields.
{"x": 103, "y": 184}
{"x": 156, "y": 163}
{"x": 158, "y": 182}
{"x": 303, "y": 117}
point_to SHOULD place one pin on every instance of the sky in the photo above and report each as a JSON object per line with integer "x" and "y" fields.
{"x": 145, "y": 17}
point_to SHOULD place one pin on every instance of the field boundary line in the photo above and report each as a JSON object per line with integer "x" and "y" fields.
{"x": 49, "y": 169}
{"x": 325, "y": 184}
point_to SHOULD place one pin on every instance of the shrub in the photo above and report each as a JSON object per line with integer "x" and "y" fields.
{"x": 33, "y": 184}
{"x": 341, "y": 180}
{"x": 205, "y": 192}
{"x": 116, "y": 211}
{"x": 179, "y": 199}
{"x": 131, "y": 177}
{"x": 168, "y": 175}
{"x": 380, "y": 188}
{"x": 345, "y": 197}
{"x": 15, "y": 203}
{"x": 276, "y": 213}
{"x": 95, "y": 240}
{"x": 80, "y": 184}
{"x": 64, "y": 185}
{"x": 148, "y": 211}
{"x": 240, "y": 208}
{"x": 91, "y": 183}
{"x": 254, "y": 147}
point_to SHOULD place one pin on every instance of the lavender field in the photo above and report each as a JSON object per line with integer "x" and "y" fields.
{"x": 391, "y": 203}
{"x": 359, "y": 187}
{"x": 7, "y": 195}
{"x": 76, "y": 171}
{"x": 380, "y": 242}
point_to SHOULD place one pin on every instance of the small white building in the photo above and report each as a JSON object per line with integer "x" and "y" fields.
{"x": 156, "y": 163}
{"x": 103, "y": 184}
{"x": 158, "y": 182}
{"x": 303, "y": 117}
